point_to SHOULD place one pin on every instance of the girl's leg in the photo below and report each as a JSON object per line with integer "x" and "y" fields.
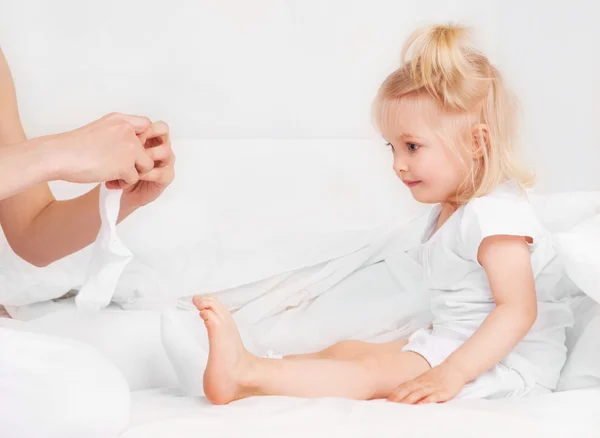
{"x": 233, "y": 373}
{"x": 346, "y": 350}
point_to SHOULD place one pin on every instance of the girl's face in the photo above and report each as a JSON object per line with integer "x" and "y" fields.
{"x": 428, "y": 167}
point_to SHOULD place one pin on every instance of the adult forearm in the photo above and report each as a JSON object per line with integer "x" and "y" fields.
{"x": 62, "y": 228}
{"x": 24, "y": 165}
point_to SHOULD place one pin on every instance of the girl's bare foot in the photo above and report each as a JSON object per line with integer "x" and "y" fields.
{"x": 229, "y": 363}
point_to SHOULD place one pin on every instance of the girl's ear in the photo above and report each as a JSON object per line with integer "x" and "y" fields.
{"x": 481, "y": 139}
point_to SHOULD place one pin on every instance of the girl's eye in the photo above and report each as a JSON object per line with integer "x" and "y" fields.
{"x": 391, "y": 146}
{"x": 412, "y": 146}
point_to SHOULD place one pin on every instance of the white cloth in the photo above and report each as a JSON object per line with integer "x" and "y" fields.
{"x": 463, "y": 298}
{"x": 109, "y": 257}
{"x": 275, "y": 295}
{"x": 335, "y": 311}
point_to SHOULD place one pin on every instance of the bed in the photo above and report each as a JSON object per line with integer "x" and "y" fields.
{"x": 159, "y": 408}
{"x": 160, "y": 413}
{"x": 213, "y": 247}
{"x": 272, "y": 179}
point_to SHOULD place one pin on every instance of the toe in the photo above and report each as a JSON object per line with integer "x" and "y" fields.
{"x": 204, "y": 314}
{"x": 220, "y": 309}
{"x": 209, "y": 317}
{"x": 202, "y": 303}
{"x": 197, "y": 300}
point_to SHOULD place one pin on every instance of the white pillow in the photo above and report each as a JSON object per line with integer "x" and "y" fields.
{"x": 58, "y": 388}
{"x": 580, "y": 251}
{"x": 562, "y": 211}
{"x": 582, "y": 369}
{"x": 128, "y": 339}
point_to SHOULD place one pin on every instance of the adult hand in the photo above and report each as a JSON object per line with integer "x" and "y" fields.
{"x": 157, "y": 144}
{"x": 111, "y": 148}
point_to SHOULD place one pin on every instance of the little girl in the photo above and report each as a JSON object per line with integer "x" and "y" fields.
{"x": 499, "y": 311}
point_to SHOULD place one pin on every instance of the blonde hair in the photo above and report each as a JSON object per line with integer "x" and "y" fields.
{"x": 437, "y": 61}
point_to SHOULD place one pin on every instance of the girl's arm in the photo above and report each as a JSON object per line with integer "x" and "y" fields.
{"x": 507, "y": 263}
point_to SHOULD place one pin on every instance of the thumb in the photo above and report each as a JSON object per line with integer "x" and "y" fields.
{"x": 140, "y": 124}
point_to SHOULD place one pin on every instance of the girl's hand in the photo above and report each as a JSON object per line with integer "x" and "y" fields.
{"x": 151, "y": 185}
{"x": 437, "y": 385}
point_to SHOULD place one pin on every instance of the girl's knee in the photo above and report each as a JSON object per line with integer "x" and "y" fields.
{"x": 370, "y": 363}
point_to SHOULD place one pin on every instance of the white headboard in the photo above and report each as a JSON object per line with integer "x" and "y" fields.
{"x": 213, "y": 68}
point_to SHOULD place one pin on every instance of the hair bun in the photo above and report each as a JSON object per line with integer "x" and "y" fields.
{"x": 438, "y": 58}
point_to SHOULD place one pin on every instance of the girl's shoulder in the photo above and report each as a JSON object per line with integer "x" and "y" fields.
{"x": 504, "y": 211}
{"x": 504, "y": 200}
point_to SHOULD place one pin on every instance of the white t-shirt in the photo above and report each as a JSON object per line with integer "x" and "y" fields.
{"x": 462, "y": 295}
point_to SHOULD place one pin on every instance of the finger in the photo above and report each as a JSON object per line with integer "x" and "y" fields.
{"x": 170, "y": 160}
{"x": 403, "y": 390}
{"x": 144, "y": 163}
{"x": 162, "y": 153}
{"x": 158, "y": 129}
{"x": 129, "y": 178}
{"x": 155, "y": 175}
{"x": 139, "y": 123}
{"x": 163, "y": 176}
{"x": 143, "y": 137}
{"x": 124, "y": 185}
{"x": 432, "y": 398}
{"x": 157, "y": 134}
{"x": 396, "y": 396}
{"x": 417, "y": 395}
{"x": 112, "y": 185}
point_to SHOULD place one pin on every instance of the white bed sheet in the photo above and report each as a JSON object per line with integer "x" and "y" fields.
{"x": 167, "y": 413}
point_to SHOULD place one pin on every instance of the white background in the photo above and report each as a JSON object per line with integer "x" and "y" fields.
{"x": 295, "y": 68}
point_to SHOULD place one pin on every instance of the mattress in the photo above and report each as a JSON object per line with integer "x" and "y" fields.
{"x": 167, "y": 413}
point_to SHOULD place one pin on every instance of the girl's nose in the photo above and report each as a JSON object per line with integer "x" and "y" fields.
{"x": 400, "y": 166}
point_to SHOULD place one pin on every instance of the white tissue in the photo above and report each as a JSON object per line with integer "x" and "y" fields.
{"x": 109, "y": 256}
